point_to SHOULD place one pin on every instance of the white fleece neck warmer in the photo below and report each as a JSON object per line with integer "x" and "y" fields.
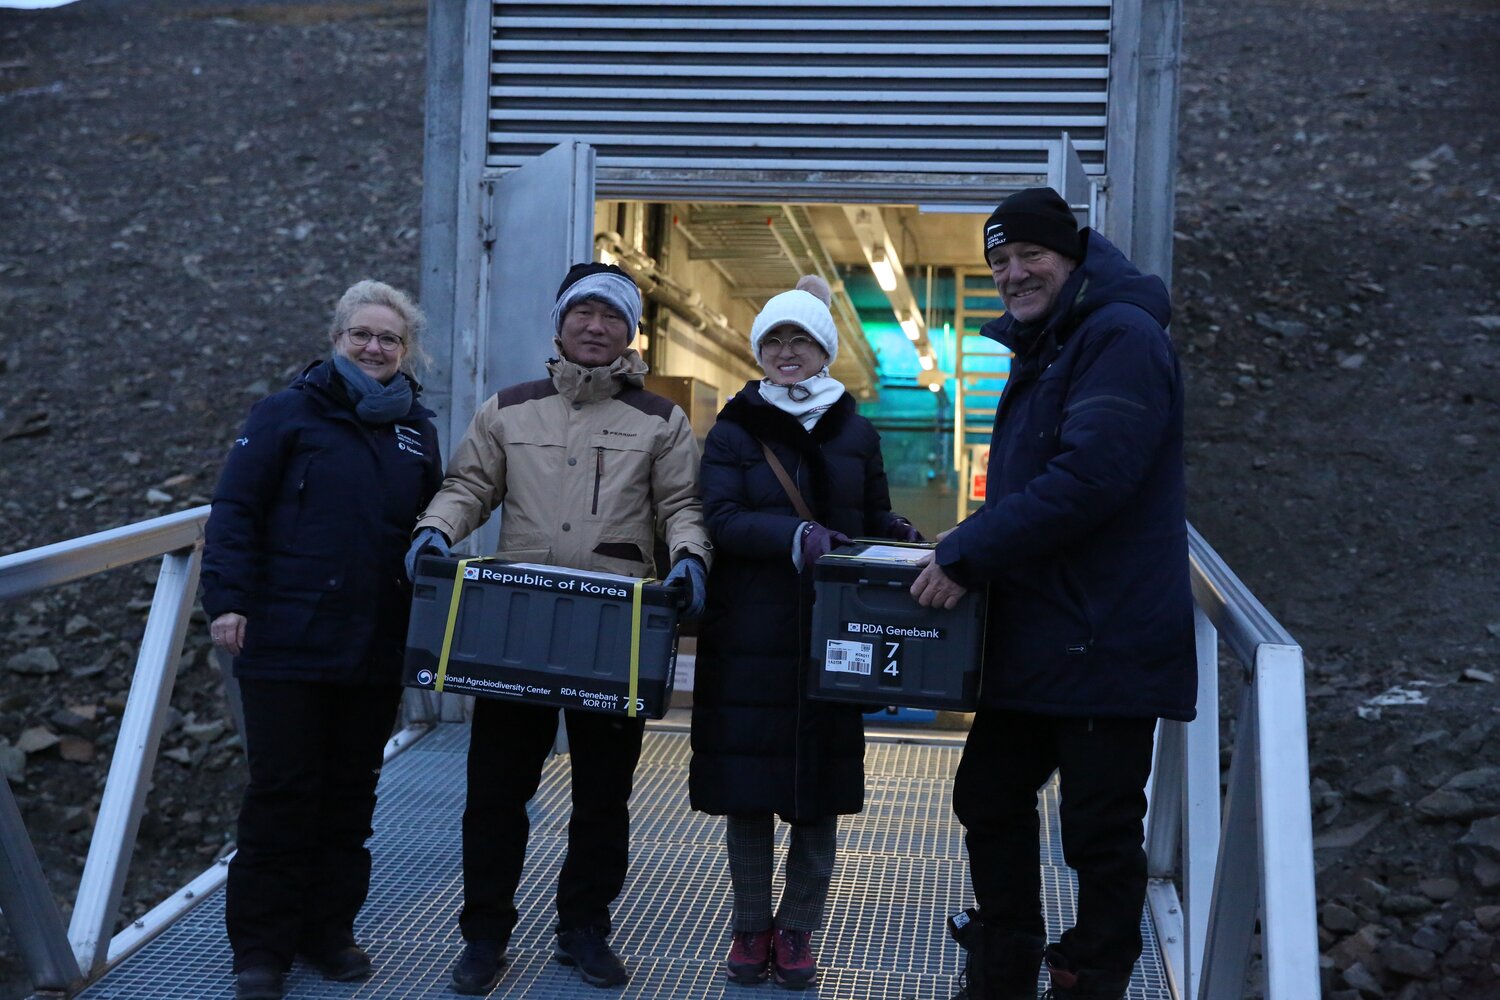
{"x": 807, "y": 400}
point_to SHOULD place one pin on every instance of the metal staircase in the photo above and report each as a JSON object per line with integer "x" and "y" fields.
{"x": 1224, "y": 871}
{"x": 901, "y": 871}
{"x": 980, "y": 370}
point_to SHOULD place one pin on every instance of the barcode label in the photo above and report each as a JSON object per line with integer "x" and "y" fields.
{"x": 845, "y": 657}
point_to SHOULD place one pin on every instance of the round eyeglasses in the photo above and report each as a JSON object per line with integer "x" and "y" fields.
{"x": 797, "y": 344}
{"x": 359, "y": 337}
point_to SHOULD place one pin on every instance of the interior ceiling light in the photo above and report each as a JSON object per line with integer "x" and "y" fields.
{"x": 926, "y": 361}
{"x": 935, "y": 387}
{"x": 885, "y": 274}
{"x": 910, "y": 328}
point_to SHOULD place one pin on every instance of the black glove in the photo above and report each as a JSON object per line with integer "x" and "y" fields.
{"x": 903, "y": 530}
{"x": 427, "y": 540}
{"x": 691, "y": 574}
{"x": 817, "y": 541}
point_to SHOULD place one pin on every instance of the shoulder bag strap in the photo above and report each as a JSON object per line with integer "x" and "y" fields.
{"x": 798, "y": 504}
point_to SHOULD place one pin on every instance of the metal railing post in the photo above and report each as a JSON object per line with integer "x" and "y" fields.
{"x": 1289, "y": 930}
{"x": 1164, "y": 806}
{"x": 1187, "y": 774}
{"x": 1201, "y": 822}
{"x": 1164, "y": 821}
{"x": 225, "y": 665}
{"x": 113, "y": 841}
{"x": 1236, "y": 896}
{"x": 35, "y": 923}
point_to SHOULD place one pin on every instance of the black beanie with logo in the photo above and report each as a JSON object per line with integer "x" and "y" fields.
{"x": 1034, "y": 215}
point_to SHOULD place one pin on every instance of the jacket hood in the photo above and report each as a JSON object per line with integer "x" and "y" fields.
{"x": 320, "y": 378}
{"x": 582, "y": 385}
{"x": 1104, "y": 277}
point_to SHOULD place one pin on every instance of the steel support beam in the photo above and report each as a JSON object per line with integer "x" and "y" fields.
{"x": 113, "y": 842}
{"x": 36, "y": 926}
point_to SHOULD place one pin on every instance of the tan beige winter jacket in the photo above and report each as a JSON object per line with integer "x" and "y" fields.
{"x": 589, "y": 466}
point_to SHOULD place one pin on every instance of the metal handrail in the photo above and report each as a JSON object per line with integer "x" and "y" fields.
{"x": 63, "y": 962}
{"x": 1257, "y": 861}
{"x": 22, "y": 573}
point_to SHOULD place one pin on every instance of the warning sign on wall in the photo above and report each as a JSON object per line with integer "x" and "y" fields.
{"x": 979, "y": 462}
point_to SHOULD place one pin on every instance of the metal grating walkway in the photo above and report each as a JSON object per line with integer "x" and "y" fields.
{"x": 901, "y": 872}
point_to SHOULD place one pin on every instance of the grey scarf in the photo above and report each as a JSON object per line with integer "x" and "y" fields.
{"x": 375, "y": 403}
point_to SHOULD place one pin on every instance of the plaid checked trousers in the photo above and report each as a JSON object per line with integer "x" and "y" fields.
{"x": 751, "y": 841}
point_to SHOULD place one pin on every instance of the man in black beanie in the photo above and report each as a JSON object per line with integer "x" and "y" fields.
{"x": 1082, "y": 543}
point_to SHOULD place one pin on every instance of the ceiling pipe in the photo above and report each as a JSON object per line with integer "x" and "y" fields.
{"x": 688, "y": 304}
{"x": 685, "y": 302}
{"x": 885, "y": 264}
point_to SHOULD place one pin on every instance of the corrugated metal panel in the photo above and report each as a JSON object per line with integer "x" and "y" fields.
{"x": 867, "y": 87}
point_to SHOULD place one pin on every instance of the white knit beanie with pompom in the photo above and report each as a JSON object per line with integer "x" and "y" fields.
{"x": 805, "y": 307}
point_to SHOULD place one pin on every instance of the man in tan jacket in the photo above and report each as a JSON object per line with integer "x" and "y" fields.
{"x": 590, "y": 466}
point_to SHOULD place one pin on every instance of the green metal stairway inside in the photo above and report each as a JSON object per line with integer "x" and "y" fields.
{"x": 901, "y": 871}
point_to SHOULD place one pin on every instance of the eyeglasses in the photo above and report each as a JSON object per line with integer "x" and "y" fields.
{"x": 796, "y": 344}
{"x": 359, "y": 337}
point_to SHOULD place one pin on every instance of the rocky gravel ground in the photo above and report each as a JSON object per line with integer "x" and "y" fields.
{"x": 187, "y": 186}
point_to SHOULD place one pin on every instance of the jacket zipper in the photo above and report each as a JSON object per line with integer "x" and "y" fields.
{"x": 797, "y": 682}
{"x": 598, "y": 475}
{"x": 1080, "y": 596}
{"x": 799, "y": 679}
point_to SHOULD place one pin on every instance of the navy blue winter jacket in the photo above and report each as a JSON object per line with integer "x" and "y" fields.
{"x": 1082, "y": 538}
{"x": 310, "y": 524}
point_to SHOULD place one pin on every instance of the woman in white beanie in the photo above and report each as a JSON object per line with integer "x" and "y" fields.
{"x": 761, "y": 748}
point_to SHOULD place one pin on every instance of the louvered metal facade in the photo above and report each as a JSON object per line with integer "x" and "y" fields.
{"x": 822, "y": 96}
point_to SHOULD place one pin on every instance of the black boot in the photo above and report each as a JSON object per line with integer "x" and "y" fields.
{"x": 1014, "y": 960}
{"x": 1071, "y": 983}
{"x": 1001, "y": 964}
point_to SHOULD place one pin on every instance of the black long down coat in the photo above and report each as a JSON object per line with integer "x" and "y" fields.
{"x": 759, "y": 744}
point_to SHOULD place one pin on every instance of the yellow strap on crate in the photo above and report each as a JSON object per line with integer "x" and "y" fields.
{"x": 635, "y": 645}
{"x": 458, "y": 589}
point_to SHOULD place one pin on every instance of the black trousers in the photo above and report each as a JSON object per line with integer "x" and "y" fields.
{"x": 1103, "y": 766}
{"x": 302, "y": 869}
{"x": 507, "y": 747}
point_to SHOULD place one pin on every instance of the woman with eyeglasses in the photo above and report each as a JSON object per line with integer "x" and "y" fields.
{"x": 304, "y": 585}
{"x": 761, "y": 748}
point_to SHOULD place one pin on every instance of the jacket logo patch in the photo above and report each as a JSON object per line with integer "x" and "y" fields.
{"x": 409, "y": 440}
{"x": 623, "y": 434}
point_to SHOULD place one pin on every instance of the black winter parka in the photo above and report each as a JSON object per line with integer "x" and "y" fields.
{"x": 759, "y": 744}
{"x": 1083, "y": 537}
{"x": 311, "y": 520}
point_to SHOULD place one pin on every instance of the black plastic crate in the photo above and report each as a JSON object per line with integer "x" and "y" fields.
{"x": 872, "y": 643}
{"x": 543, "y": 635}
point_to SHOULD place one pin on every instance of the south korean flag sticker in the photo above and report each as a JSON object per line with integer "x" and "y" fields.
{"x": 471, "y": 572}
